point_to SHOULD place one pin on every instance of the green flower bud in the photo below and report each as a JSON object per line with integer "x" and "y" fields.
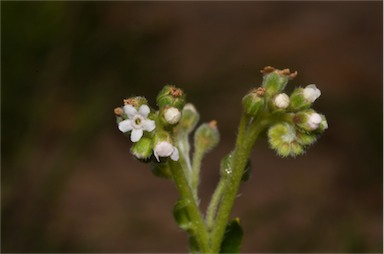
{"x": 308, "y": 120}
{"x": 254, "y": 101}
{"x": 302, "y": 98}
{"x": 207, "y": 136}
{"x": 142, "y": 149}
{"x": 172, "y": 97}
{"x": 189, "y": 118}
{"x": 274, "y": 80}
{"x": 283, "y": 139}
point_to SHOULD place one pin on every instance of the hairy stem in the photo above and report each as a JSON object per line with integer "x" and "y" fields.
{"x": 200, "y": 229}
{"x": 214, "y": 203}
{"x": 196, "y": 165}
{"x": 244, "y": 143}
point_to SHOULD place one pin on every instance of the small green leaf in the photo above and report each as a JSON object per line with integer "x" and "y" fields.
{"x": 181, "y": 215}
{"x": 232, "y": 238}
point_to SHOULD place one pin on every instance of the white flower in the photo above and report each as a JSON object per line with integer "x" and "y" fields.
{"x": 311, "y": 93}
{"x": 281, "y": 101}
{"x": 166, "y": 149}
{"x": 172, "y": 115}
{"x": 314, "y": 121}
{"x": 137, "y": 122}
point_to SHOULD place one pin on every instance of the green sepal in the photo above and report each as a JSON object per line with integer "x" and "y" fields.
{"x": 253, "y": 103}
{"x": 181, "y": 215}
{"x": 161, "y": 169}
{"x": 232, "y": 238}
{"x": 297, "y": 100}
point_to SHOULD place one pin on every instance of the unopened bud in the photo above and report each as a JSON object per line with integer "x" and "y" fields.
{"x": 274, "y": 80}
{"x": 189, "y": 118}
{"x": 172, "y": 115}
{"x": 311, "y": 93}
{"x": 254, "y": 101}
{"x": 302, "y": 98}
{"x": 142, "y": 149}
{"x": 207, "y": 136}
{"x": 171, "y": 96}
{"x": 282, "y": 138}
{"x": 308, "y": 120}
{"x": 281, "y": 101}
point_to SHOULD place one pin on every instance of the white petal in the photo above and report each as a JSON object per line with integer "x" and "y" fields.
{"x": 175, "y": 154}
{"x": 136, "y": 135}
{"x": 164, "y": 149}
{"x": 130, "y": 111}
{"x": 125, "y": 126}
{"x": 149, "y": 125}
{"x": 156, "y": 156}
{"x": 144, "y": 110}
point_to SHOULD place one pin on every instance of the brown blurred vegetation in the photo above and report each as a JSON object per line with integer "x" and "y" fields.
{"x": 68, "y": 181}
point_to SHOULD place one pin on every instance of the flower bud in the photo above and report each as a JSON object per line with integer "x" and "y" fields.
{"x": 311, "y": 93}
{"x": 172, "y": 115}
{"x": 207, "y": 136}
{"x": 189, "y": 118}
{"x": 281, "y": 101}
{"x": 142, "y": 149}
{"x": 172, "y": 97}
{"x": 302, "y": 98}
{"x": 283, "y": 139}
{"x": 254, "y": 101}
{"x": 308, "y": 120}
{"x": 274, "y": 80}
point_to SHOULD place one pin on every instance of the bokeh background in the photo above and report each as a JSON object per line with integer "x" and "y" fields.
{"x": 68, "y": 181}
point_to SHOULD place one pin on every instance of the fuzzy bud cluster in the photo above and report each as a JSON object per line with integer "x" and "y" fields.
{"x": 294, "y": 124}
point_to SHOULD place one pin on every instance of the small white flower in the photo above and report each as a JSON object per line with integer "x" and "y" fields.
{"x": 281, "y": 101}
{"x": 172, "y": 115}
{"x": 166, "y": 149}
{"x": 311, "y": 93}
{"x": 137, "y": 122}
{"x": 314, "y": 121}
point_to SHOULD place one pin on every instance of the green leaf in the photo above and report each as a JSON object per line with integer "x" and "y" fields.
{"x": 232, "y": 238}
{"x": 181, "y": 215}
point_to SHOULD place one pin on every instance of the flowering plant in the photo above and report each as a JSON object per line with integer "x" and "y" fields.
{"x": 160, "y": 137}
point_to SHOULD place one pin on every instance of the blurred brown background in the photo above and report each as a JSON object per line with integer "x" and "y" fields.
{"x": 69, "y": 183}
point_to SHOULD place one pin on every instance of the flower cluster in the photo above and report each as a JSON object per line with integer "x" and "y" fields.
{"x": 150, "y": 130}
{"x": 292, "y": 124}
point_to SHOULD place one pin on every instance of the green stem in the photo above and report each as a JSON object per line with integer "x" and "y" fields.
{"x": 213, "y": 205}
{"x": 196, "y": 165}
{"x": 244, "y": 143}
{"x": 200, "y": 229}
